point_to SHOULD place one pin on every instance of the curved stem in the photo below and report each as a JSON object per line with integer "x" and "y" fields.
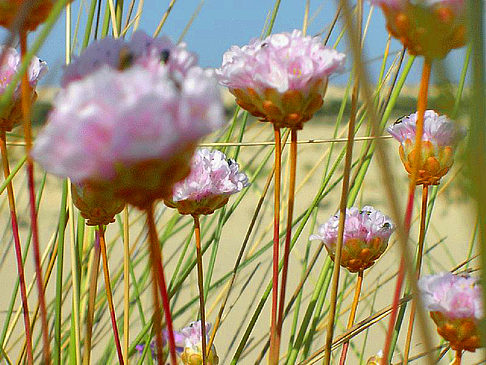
{"x": 423, "y": 216}
{"x": 17, "y": 245}
{"x": 26, "y": 104}
{"x": 273, "y": 356}
{"x": 200, "y": 283}
{"x": 159, "y": 278}
{"x": 93, "y": 286}
{"x": 288, "y": 237}
{"x": 352, "y": 314}
{"x": 109, "y": 297}
{"x": 421, "y": 106}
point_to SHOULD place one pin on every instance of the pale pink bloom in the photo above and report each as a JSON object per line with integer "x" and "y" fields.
{"x": 455, "y": 296}
{"x": 192, "y": 334}
{"x": 141, "y": 50}
{"x": 192, "y": 353}
{"x": 438, "y": 129}
{"x": 112, "y": 120}
{"x": 363, "y": 224}
{"x": 285, "y": 61}
{"x": 212, "y": 174}
{"x": 11, "y": 65}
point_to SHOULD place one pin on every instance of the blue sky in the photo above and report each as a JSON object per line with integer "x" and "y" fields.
{"x": 222, "y": 23}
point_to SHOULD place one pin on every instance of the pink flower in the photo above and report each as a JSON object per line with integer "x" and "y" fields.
{"x": 440, "y": 138}
{"x": 455, "y": 296}
{"x": 192, "y": 353}
{"x": 135, "y": 130}
{"x": 141, "y": 50}
{"x": 366, "y": 235}
{"x": 11, "y": 65}
{"x": 438, "y": 129}
{"x": 282, "y": 78}
{"x": 212, "y": 180}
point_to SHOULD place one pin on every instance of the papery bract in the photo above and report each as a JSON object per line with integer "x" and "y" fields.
{"x": 12, "y": 115}
{"x": 439, "y": 141}
{"x": 429, "y": 28}
{"x": 366, "y": 235}
{"x": 212, "y": 180}
{"x": 455, "y": 305}
{"x": 281, "y": 79}
{"x": 98, "y": 205}
{"x": 37, "y": 12}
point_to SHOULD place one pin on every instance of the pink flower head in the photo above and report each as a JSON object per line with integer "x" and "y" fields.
{"x": 438, "y": 129}
{"x": 455, "y": 296}
{"x": 11, "y": 66}
{"x": 212, "y": 180}
{"x": 439, "y": 140}
{"x": 192, "y": 353}
{"x": 141, "y": 50}
{"x": 282, "y": 78}
{"x": 366, "y": 235}
{"x": 429, "y": 28}
{"x": 135, "y": 130}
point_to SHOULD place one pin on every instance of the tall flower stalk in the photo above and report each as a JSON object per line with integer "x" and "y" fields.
{"x": 11, "y": 118}
{"x": 426, "y": 165}
{"x": 282, "y": 80}
{"x": 362, "y": 239}
{"x": 213, "y": 179}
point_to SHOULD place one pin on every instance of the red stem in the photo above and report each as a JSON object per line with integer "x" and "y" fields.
{"x": 26, "y": 101}
{"x": 421, "y": 106}
{"x": 160, "y": 278}
{"x": 273, "y": 356}
{"x": 109, "y": 297}
{"x": 18, "y": 247}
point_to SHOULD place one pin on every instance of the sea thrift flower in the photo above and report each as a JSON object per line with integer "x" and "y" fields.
{"x": 11, "y": 65}
{"x": 366, "y": 235}
{"x": 141, "y": 50}
{"x": 37, "y": 14}
{"x": 192, "y": 353}
{"x": 376, "y": 359}
{"x": 212, "y": 180}
{"x": 429, "y": 28}
{"x": 97, "y": 205}
{"x": 281, "y": 79}
{"x": 454, "y": 303}
{"x": 179, "y": 340}
{"x": 134, "y": 131}
{"x": 439, "y": 141}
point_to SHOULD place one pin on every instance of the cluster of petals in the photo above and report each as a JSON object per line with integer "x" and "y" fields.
{"x": 188, "y": 343}
{"x": 438, "y": 129}
{"x": 141, "y": 50}
{"x": 284, "y": 61}
{"x": 212, "y": 180}
{"x": 363, "y": 224}
{"x": 111, "y": 119}
{"x": 429, "y": 28}
{"x": 10, "y": 66}
{"x": 439, "y": 140}
{"x": 365, "y": 237}
{"x": 455, "y": 296}
{"x": 282, "y": 78}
